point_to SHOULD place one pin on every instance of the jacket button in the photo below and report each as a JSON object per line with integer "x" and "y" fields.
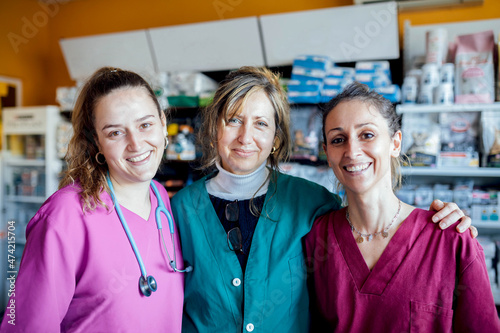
{"x": 236, "y": 282}
{"x": 249, "y": 327}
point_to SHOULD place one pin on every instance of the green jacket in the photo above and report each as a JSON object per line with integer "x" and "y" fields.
{"x": 272, "y": 296}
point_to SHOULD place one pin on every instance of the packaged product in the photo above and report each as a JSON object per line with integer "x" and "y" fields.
{"x": 490, "y": 126}
{"x": 421, "y": 139}
{"x": 306, "y": 130}
{"x": 436, "y": 46}
{"x": 498, "y": 72}
{"x": 474, "y": 68}
{"x": 423, "y": 196}
{"x": 462, "y": 195}
{"x": 459, "y": 139}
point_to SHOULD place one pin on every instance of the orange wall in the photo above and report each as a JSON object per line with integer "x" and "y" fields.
{"x": 24, "y": 48}
{"x": 40, "y": 65}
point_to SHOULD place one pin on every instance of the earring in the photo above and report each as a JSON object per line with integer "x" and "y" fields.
{"x": 166, "y": 142}
{"x": 273, "y": 150}
{"x": 97, "y": 158}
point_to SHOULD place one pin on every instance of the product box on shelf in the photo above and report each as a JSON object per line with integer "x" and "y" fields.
{"x": 424, "y": 195}
{"x": 341, "y": 72}
{"x": 443, "y": 192}
{"x": 462, "y": 195}
{"x": 373, "y": 67}
{"x": 320, "y": 62}
{"x": 391, "y": 92}
{"x": 373, "y": 73}
{"x": 485, "y": 206}
{"x": 310, "y": 67}
{"x": 336, "y": 79}
{"x": 407, "y": 193}
{"x": 373, "y": 80}
{"x": 327, "y": 94}
{"x": 303, "y": 92}
{"x": 308, "y": 73}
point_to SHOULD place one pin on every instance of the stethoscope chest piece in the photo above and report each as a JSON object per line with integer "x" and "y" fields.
{"x": 147, "y": 285}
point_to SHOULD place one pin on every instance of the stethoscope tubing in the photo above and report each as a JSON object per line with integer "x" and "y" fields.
{"x": 147, "y": 284}
{"x": 126, "y": 228}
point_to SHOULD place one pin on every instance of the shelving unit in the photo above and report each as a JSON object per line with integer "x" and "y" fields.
{"x": 438, "y": 108}
{"x": 30, "y": 174}
{"x": 458, "y": 172}
{"x": 482, "y": 176}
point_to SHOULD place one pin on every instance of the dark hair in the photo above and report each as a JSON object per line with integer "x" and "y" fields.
{"x": 361, "y": 92}
{"x": 230, "y": 98}
{"x": 82, "y": 149}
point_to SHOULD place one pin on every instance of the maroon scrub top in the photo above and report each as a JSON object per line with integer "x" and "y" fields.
{"x": 426, "y": 280}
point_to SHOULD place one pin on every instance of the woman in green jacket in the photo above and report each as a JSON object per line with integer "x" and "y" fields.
{"x": 241, "y": 225}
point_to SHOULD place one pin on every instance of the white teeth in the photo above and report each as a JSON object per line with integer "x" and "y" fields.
{"x": 140, "y": 157}
{"x": 358, "y": 167}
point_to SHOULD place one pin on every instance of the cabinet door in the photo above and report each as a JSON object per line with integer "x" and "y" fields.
{"x": 208, "y": 46}
{"x": 345, "y": 34}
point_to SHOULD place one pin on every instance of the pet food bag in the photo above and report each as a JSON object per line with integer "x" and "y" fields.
{"x": 459, "y": 139}
{"x": 474, "y": 68}
{"x": 421, "y": 139}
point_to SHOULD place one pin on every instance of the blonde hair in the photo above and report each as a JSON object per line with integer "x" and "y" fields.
{"x": 230, "y": 98}
{"x": 82, "y": 166}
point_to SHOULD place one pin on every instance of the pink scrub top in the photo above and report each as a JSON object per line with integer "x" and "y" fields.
{"x": 79, "y": 273}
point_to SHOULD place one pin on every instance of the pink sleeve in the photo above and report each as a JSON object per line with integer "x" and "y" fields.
{"x": 45, "y": 284}
{"x": 475, "y": 309}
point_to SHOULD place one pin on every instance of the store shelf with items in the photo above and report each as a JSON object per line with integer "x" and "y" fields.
{"x": 178, "y": 168}
{"x": 439, "y": 108}
{"x": 176, "y": 174}
{"x": 476, "y": 193}
{"x": 30, "y": 173}
{"x": 452, "y": 172}
{"x": 474, "y": 188}
{"x": 458, "y": 139}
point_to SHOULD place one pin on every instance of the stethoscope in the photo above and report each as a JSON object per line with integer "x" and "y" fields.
{"x": 147, "y": 283}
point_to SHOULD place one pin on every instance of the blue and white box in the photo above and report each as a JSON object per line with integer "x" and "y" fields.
{"x": 313, "y": 62}
{"x": 300, "y": 91}
{"x": 391, "y": 92}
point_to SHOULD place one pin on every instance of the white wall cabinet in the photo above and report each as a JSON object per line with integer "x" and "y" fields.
{"x": 343, "y": 33}
{"x": 30, "y": 174}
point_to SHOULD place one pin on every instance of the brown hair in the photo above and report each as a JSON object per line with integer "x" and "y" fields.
{"x": 82, "y": 149}
{"x": 230, "y": 98}
{"x": 361, "y": 92}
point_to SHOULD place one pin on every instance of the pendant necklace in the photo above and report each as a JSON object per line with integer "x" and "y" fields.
{"x": 369, "y": 237}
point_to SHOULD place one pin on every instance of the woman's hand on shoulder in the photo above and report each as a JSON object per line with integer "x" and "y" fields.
{"x": 448, "y": 213}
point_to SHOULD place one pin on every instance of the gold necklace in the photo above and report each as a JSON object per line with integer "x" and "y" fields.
{"x": 369, "y": 237}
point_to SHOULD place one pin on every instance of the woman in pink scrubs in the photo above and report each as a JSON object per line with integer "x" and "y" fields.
{"x": 378, "y": 265}
{"x": 79, "y": 272}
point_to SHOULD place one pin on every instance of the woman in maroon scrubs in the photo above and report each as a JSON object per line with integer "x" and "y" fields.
{"x": 379, "y": 265}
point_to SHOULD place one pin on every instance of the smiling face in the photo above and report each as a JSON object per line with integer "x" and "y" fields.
{"x": 359, "y": 147}
{"x": 131, "y": 135}
{"x": 247, "y": 138}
